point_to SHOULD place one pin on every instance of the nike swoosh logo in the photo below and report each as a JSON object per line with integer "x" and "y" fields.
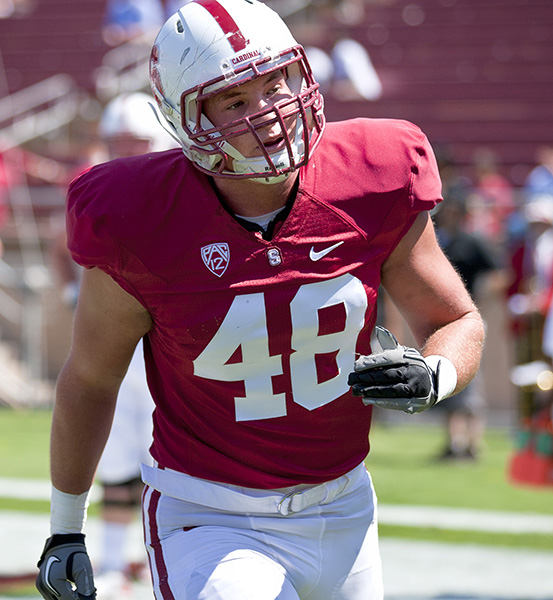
{"x": 49, "y": 563}
{"x": 315, "y": 256}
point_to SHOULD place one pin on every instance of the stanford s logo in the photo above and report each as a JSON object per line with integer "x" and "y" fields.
{"x": 216, "y": 257}
{"x": 274, "y": 257}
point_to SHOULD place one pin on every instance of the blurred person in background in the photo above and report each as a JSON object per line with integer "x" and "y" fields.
{"x": 540, "y": 178}
{"x": 491, "y": 201}
{"x": 355, "y": 77}
{"x": 547, "y": 349}
{"x": 531, "y": 463}
{"x": 547, "y": 341}
{"x": 125, "y": 20}
{"x": 533, "y": 261}
{"x": 346, "y": 71}
{"x": 456, "y": 183}
{"x": 3, "y": 199}
{"x": 479, "y": 267}
{"x": 531, "y": 267}
{"x": 4, "y": 189}
{"x": 128, "y": 127}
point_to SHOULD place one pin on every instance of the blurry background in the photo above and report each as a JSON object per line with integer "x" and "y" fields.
{"x": 476, "y": 76}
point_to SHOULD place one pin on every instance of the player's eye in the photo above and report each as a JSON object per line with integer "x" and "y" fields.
{"x": 277, "y": 86}
{"x": 234, "y": 105}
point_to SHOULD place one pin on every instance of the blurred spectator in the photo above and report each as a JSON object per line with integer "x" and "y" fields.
{"x": 347, "y": 72}
{"x": 4, "y": 189}
{"x": 322, "y": 66}
{"x": 491, "y": 201}
{"x": 456, "y": 185}
{"x": 530, "y": 289}
{"x": 534, "y": 266}
{"x": 547, "y": 338}
{"x": 125, "y": 20}
{"x": 355, "y": 77}
{"x": 540, "y": 179}
{"x": 128, "y": 126}
{"x": 15, "y": 8}
{"x": 532, "y": 460}
{"x": 478, "y": 266}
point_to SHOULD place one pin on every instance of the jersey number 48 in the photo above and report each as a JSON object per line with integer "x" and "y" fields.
{"x": 245, "y": 327}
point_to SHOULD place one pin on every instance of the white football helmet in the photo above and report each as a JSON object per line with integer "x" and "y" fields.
{"x": 212, "y": 45}
{"x": 134, "y": 114}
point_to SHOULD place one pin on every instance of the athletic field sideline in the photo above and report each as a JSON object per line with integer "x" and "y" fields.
{"x": 409, "y": 516}
{"x": 413, "y": 570}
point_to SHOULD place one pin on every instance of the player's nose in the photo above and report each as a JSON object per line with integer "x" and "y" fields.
{"x": 267, "y": 118}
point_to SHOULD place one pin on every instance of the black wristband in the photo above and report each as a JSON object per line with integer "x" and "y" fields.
{"x": 59, "y": 539}
{"x": 65, "y": 538}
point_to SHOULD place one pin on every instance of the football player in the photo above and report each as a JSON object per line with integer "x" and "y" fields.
{"x": 128, "y": 126}
{"x": 250, "y": 265}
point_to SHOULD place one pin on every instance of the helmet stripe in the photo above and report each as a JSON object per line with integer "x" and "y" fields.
{"x": 226, "y": 22}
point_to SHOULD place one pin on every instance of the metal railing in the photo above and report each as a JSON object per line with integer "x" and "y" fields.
{"x": 38, "y": 110}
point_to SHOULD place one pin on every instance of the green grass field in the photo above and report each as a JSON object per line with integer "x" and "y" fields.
{"x": 402, "y": 463}
{"x": 404, "y": 470}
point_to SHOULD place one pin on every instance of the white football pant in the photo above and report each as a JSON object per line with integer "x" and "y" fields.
{"x": 224, "y": 542}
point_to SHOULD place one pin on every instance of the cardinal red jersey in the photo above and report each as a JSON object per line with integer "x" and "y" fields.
{"x": 253, "y": 340}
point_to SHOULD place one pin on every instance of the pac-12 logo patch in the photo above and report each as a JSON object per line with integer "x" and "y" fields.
{"x": 216, "y": 257}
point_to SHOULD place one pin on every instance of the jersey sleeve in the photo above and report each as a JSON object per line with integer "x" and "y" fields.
{"x": 88, "y": 238}
{"x": 413, "y": 181}
{"x": 92, "y": 225}
{"x": 426, "y": 185}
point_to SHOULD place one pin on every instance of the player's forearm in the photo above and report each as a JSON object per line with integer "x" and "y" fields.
{"x": 80, "y": 427}
{"x": 462, "y": 342}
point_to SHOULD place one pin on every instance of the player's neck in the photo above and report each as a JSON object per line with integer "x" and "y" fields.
{"x": 250, "y": 198}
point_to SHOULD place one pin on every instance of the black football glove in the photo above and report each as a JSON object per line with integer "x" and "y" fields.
{"x": 65, "y": 572}
{"x": 396, "y": 377}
